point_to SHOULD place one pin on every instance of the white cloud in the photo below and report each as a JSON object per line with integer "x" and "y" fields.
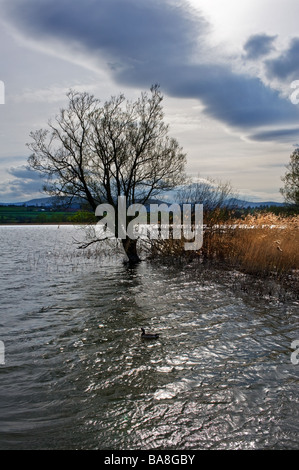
{"x": 24, "y": 185}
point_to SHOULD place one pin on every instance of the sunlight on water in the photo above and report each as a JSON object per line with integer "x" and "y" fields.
{"x": 77, "y": 374}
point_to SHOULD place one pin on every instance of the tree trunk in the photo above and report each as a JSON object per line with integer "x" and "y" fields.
{"x": 130, "y": 247}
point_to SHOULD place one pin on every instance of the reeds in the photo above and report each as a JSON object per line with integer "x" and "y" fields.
{"x": 264, "y": 244}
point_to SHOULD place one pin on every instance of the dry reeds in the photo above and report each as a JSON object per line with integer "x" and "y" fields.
{"x": 263, "y": 244}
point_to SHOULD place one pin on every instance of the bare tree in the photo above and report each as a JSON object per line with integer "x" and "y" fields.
{"x": 100, "y": 152}
{"x": 209, "y": 192}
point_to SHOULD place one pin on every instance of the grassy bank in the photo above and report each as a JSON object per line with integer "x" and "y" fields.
{"x": 38, "y": 215}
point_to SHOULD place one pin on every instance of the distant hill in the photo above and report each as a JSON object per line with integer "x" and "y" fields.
{"x": 46, "y": 202}
{"x": 246, "y": 204}
{"x": 76, "y": 203}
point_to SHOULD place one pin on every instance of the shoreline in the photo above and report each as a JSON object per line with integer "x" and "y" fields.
{"x": 11, "y": 224}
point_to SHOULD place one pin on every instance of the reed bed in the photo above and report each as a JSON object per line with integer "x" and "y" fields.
{"x": 261, "y": 244}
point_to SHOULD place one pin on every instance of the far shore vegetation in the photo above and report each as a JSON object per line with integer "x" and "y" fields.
{"x": 43, "y": 215}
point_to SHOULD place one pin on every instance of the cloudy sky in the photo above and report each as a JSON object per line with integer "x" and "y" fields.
{"x": 226, "y": 69}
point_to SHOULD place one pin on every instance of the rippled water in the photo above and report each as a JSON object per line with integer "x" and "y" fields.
{"x": 78, "y": 376}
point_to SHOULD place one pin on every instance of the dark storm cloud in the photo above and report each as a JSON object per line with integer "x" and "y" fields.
{"x": 259, "y": 45}
{"x": 24, "y": 172}
{"x": 125, "y": 30}
{"x": 19, "y": 188}
{"x": 25, "y": 182}
{"x": 235, "y": 99}
{"x": 158, "y": 42}
{"x": 287, "y": 64}
{"x": 279, "y": 135}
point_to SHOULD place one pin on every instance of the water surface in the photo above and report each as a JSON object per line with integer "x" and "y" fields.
{"x": 78, "y": 376}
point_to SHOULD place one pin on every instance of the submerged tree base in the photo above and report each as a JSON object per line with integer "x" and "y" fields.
{"x": 130, "y": 247}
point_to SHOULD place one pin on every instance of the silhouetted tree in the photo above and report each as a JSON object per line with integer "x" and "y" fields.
{"x": 101, "y": 151}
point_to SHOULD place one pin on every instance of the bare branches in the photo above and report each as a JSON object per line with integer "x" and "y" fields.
{"x": 209, "y": 192}
{"x": 99, "y": 152}
{"x": 86, "y": 244}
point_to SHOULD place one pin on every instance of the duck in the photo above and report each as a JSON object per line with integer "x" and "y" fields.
{"x": 149, "y": 335}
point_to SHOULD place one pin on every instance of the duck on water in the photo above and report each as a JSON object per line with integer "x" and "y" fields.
{"x": 145, "y": 335}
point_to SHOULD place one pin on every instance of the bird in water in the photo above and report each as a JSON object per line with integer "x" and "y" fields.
{"x": 149, "y": 335}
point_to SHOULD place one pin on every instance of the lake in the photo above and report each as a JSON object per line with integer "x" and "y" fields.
{"x": 77, "y": 374}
